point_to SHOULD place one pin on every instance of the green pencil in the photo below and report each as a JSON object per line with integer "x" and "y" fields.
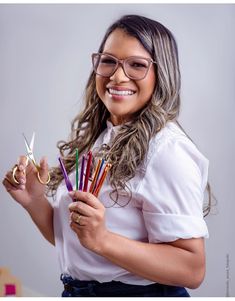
{"x": 76, "y": 169}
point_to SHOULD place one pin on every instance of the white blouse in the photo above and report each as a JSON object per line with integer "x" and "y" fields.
{"x": 166, "y": 204}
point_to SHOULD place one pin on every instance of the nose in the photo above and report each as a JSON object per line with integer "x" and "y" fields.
{"x": 119, "y": 75}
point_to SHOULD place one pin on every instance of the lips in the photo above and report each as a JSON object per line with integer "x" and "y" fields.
{"x": 119, "y": 91}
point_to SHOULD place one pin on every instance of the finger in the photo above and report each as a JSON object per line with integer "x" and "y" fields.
{"x": 83, "y": 221}
{"x": 22, "y": 162}
{"x": 44, "y": 169}
{"x": 43, "y": 165}
{"x": 21, "y": 180}
{"x": 81, "y": 208}
{"x": 78, "y": 218}
{"x": 9, "y": 186}
{"x": 87, "y": 198}
{"x": 19, "y": 172}
{"x": 12, "y": 181}
{"x": 76, "y": 228}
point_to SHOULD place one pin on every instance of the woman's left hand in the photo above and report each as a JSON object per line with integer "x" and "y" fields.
{"x": 88, "y": 220}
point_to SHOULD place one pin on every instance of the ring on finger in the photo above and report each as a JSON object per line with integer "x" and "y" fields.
{"x": 77, "y": 219}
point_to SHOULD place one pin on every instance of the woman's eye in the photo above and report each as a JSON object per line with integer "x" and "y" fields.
{"x": 107, "y": 61}
{"x": 137, "y": 65}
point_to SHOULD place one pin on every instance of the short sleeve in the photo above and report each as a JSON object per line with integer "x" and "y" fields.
{"x": 172, "y": 192}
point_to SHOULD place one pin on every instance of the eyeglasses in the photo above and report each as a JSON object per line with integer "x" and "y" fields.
{"x": 134, "y": 67}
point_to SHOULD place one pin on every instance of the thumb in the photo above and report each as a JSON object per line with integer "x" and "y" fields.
{"x": 43, "y": 171}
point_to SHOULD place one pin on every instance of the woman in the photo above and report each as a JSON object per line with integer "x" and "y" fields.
{"x": 144, "y": 234}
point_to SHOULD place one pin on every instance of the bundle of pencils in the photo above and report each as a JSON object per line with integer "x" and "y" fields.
{"x": 98, "y": 178}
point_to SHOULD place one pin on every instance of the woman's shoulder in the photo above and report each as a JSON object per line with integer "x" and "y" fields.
{"x": 171, "y": 143}
{"x": 169, "y": 133}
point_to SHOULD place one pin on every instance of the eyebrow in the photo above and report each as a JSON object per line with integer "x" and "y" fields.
{"x": 144, "y": 57}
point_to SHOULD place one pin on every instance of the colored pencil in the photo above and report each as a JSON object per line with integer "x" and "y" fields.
{"x": 82, "y": 172}
{"x": 66, "y": 178}
{"x": 76, "y": 169}
{"x": 102, "y": 178}
{"x": 95, "y": 177}
{"x": 102, "y": 163}
{"x": 88, "y": 168}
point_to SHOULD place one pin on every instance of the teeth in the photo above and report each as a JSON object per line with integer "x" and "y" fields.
{"x": 124, "y": 92}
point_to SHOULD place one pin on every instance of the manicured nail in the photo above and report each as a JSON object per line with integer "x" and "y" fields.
{"x": 22, "y": 181}
{"x": 21, "y": 167}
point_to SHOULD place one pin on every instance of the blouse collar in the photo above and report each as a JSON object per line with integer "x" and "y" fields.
{"x": 112, "y": 127}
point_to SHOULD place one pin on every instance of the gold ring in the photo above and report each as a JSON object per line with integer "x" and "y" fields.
{"x": 77, "y": 220}
{"x": 41, "y": 181}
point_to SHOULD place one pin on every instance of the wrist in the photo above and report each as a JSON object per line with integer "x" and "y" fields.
{"x": 102, "y": 247}
{"x": 34, "y": 202}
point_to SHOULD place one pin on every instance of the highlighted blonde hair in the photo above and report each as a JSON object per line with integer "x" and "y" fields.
{"x": 130, "y": 145}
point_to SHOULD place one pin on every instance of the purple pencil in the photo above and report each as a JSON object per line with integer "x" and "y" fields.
{"x": 66, "y": 178}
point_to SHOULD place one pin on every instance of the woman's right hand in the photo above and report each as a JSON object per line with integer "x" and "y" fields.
{"x": 29, "y": 188}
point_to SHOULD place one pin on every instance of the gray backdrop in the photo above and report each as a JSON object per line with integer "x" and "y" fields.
{"x": 44, "y": 64}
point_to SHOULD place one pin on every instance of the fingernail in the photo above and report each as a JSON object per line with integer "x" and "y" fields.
{"x": 43, "y": 160}
{"x": 22, "y": 181}
{"x": 71, "y": 193}
{"x": 21, "y": 167}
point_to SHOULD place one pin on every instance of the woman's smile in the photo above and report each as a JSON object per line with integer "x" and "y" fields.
{"x": 119, "y": 93}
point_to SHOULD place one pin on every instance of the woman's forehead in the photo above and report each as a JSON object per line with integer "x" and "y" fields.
{"x": 122, "y": 45}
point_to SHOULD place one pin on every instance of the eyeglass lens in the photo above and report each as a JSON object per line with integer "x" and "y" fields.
{"x": 134, "y": 67}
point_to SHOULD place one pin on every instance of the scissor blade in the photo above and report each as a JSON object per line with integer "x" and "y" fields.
{"x": 32, "y": 141}
{"x": 29, "y": 151}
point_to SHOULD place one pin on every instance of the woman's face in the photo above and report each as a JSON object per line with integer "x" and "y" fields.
{"x": 122, "y": 105}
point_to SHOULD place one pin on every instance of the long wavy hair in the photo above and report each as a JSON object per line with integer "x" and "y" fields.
{"x": 131, "y": 143}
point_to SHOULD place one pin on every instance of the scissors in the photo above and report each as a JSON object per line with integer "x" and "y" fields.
{"x": 30, "y": 156}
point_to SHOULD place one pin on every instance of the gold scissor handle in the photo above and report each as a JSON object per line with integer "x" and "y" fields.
{"x": 38, "y": 176}
{"x": 40, "y": 180}
{"x": 13, "y": 174}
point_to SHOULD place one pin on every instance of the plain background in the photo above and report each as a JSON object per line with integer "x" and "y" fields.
{"x": 44, "y": 65}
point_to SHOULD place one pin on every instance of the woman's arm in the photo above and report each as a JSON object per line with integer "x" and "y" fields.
{"x": 30, "y": 194}
{"x": 179, "y": 263}
{"x": 41, "y": 213}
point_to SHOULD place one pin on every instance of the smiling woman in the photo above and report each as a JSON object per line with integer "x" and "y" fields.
{"x": 130, "y": 86}
{"x": 143, "y": 235}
